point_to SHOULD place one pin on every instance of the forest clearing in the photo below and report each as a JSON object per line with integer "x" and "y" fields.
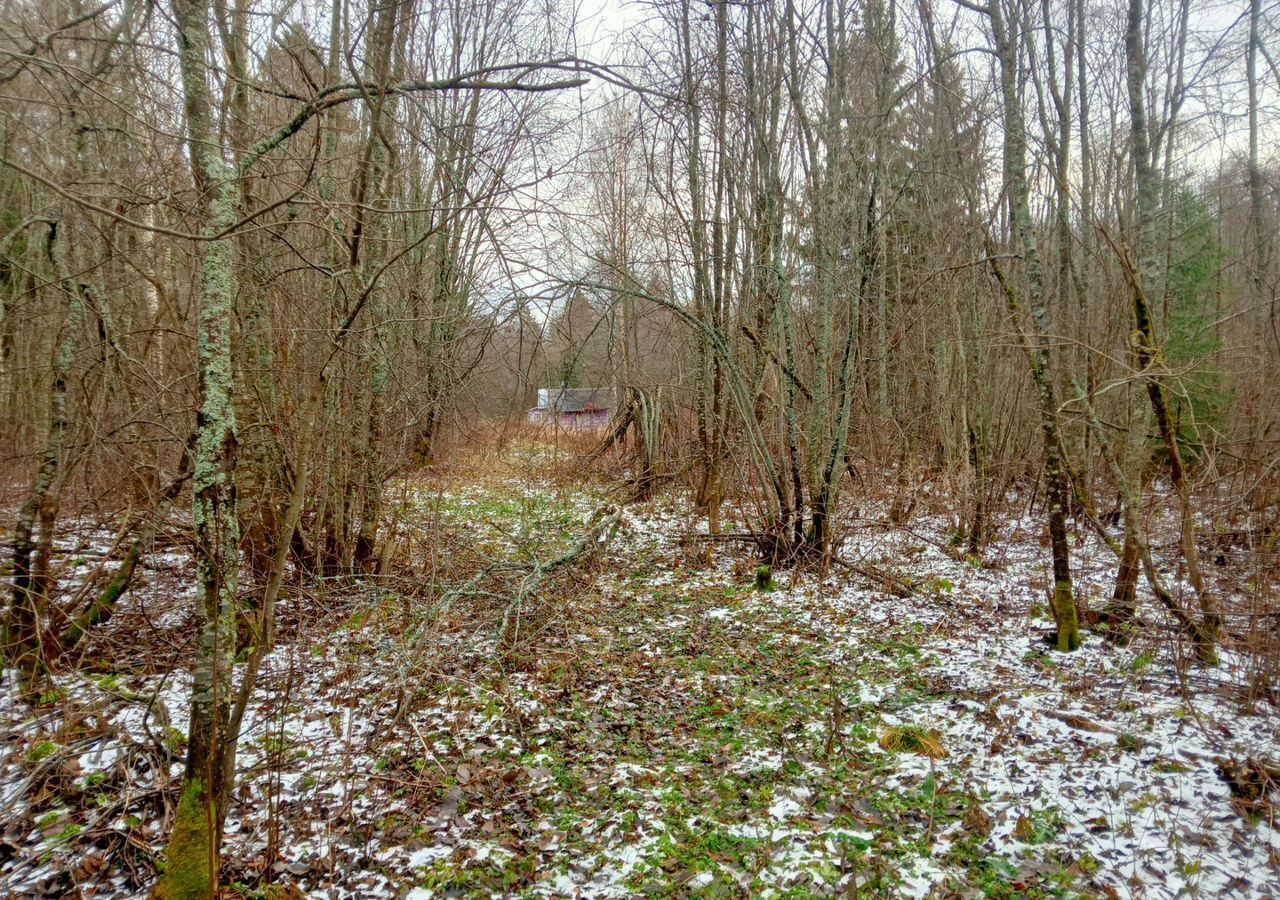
{"x": 649, "y": 719}
{"x": 615, "y": 448}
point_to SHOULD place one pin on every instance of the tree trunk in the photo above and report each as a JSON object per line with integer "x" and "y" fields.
{"x": 1062, "y": 601}
{"x": 30, "y": 557}
{"x": 195, "y": 843}
{"x": 1261, "y": 235}
{"x": 1124, "y": 598}
{"x": 1147, "y": 350}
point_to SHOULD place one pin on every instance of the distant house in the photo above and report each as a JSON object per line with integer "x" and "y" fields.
{"x": 573, "y": 408}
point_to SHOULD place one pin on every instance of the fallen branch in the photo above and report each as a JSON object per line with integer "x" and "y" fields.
{"x": 884, "y": 579}
{"x": 99, "y": 611}
{"x": 601, "y": 527}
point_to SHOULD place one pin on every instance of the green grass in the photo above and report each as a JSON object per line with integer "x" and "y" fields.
{"x": 686, "y": 702}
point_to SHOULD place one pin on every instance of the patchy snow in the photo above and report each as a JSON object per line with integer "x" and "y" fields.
{"x": 662, "y": 726}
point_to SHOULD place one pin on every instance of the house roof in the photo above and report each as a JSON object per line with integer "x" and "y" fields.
{"x": 574, "y": 399}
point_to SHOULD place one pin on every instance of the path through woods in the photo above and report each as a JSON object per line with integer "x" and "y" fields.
{"x": 649, "y": 721}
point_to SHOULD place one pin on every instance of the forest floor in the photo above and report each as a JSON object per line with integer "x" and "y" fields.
{"x": 644, "y": 721}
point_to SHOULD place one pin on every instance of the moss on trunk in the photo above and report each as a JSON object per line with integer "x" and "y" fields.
{"x": 1064, "y": 616}
{"x": 191, "y": 861}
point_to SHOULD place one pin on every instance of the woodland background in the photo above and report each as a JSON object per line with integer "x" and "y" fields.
{"x": 262, "y": 260}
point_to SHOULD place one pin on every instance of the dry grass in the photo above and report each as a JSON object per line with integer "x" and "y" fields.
{"x": 909, "y": 739}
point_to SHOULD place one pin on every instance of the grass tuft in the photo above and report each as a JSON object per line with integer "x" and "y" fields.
{"x": 909, "y": 739}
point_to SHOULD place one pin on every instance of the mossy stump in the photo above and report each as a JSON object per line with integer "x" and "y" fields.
{"x": 764, "y": 578}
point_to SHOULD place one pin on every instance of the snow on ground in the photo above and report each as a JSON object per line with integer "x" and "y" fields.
{"x": 660, "y": 726}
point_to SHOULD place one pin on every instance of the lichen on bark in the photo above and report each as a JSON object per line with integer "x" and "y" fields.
{"x": 196, "y": 838}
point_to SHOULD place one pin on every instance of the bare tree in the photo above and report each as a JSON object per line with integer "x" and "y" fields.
{"x": 1018, "y": 193}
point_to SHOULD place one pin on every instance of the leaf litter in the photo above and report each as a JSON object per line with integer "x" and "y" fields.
{"x": 658, "y": 726}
